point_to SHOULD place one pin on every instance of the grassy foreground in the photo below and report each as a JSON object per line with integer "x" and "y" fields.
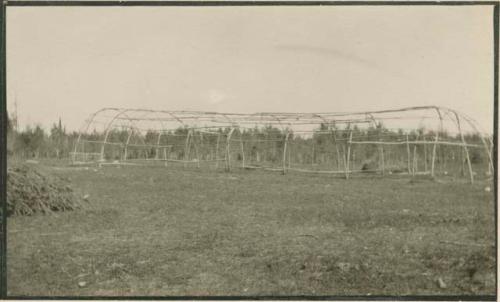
{"x": 155, "y": 231}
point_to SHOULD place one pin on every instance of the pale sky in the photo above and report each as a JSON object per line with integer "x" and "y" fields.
{"x": 71, "y": 61}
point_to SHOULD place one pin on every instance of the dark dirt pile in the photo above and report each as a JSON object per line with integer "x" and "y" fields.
{"x": 31, "y": 191}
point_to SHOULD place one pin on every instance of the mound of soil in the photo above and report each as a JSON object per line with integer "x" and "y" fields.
{"x": 369, "y": 166}
{"x": 30, "y": 191}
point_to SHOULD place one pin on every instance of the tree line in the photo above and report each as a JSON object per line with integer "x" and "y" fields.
{"x": 326, "y": 144}
{"x": 35, "y": 142}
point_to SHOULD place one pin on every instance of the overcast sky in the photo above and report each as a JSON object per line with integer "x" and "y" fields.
{"x": 71, "y": 61}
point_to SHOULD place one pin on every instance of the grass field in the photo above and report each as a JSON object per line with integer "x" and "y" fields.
{"x": 156, "y": 231}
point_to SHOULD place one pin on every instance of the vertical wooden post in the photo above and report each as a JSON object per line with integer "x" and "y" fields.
{"x": 436, "y": 140}
{"x": 102, "y": 153}
{"x": 353, "y": 161}
{"x": 73, "y": 155}
{"x": 289, "y": 156}
{"x": 489, "y": 152}
{"x": 187, "y": 148}
{"x": 338, "y": 152}
{"x": 409, "y": 154}
{"x": 157, "y": 153}
{"x": 433, "y": 160}
{"x": 165, "y": 156}
{"x": 464, "y": 144}
{"x": 344, "y": 156}
{"x": 382, "y": 159}
{"x": 415, "y": 157}
{"x": 126, "y": 146}
{"x": 242, "y": 150}
{"x": 348, "y": 154}
{"x": 217, "y": 152}
{"x": 337, "y": 159}
{"x": 462, "y": 163}
{"x": 201, "y": 148}
{"x": 196, "y": 153}
{"x": 488, "y": 146}
{"x": 285, "y": 151}
{"x": 425, "y": 154}
{"x": 380, "y": 150}
{"x": 228, "y": 150}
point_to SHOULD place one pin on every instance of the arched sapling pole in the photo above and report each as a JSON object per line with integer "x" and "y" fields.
{"x": 131, "y": 127}
{"x": 464, "y": 144}
{"x": 487, "y": 147}
{"x": 86, "y": 126}
{"x": 107, "y": 131}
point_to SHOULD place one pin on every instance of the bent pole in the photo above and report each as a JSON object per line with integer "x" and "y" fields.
{"x": 471, "y": 174}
